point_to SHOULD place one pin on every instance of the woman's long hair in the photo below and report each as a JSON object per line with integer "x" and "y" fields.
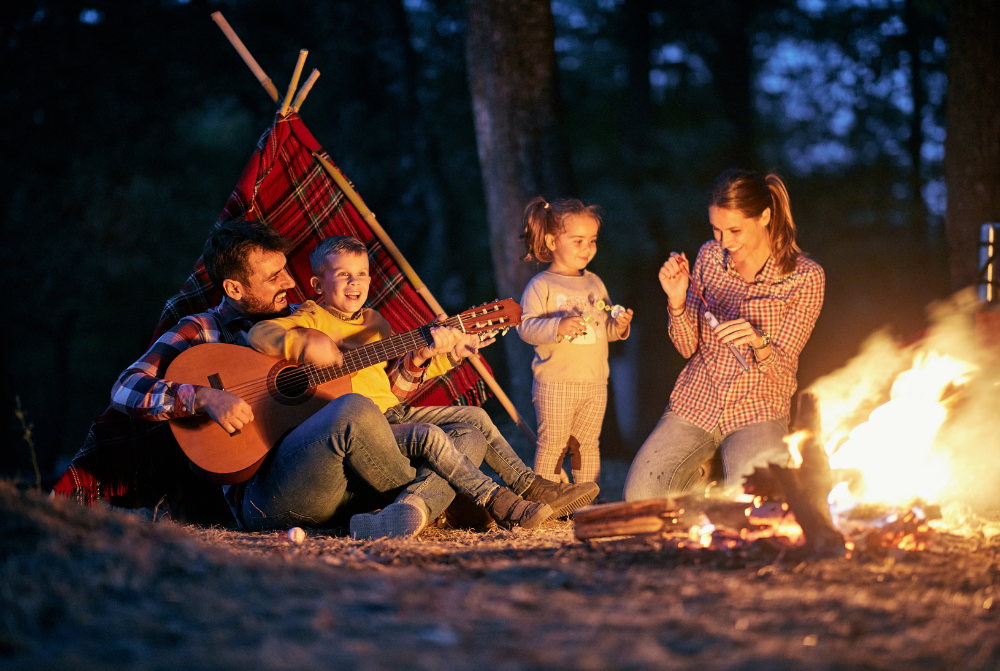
{"x": 750, "y": 194}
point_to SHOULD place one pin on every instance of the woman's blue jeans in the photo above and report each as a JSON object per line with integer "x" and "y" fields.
{"x": 669, "y": 462}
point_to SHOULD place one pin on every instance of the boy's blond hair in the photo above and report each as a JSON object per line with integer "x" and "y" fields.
{"x": 335, "y": 244}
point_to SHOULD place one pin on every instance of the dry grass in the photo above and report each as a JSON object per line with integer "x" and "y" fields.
{"x": 99, "y": 589}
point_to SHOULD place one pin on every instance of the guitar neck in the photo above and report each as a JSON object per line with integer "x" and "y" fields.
{"x": 376, "y": 352}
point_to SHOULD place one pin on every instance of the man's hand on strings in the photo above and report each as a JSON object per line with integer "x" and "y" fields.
{"x": 320, "y": 350}
{"x": 228, "y": 410}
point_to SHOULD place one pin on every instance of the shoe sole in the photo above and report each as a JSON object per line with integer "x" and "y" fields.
{"x": 541, "y": 515}
{"x": 397, "y": 520}
{"x": 579, "y": 502}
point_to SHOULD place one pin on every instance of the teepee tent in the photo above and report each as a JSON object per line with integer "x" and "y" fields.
{"x": 292, "y": 184}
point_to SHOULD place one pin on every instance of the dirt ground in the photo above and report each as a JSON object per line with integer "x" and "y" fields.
{"x": 100, "y": 588}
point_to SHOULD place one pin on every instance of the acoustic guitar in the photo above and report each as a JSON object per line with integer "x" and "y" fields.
{"x": 284, "y": 393}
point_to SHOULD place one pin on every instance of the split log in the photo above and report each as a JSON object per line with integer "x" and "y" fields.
{"x": 627, "y": 518}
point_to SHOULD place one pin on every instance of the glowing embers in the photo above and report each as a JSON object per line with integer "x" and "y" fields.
{"x": 880, "y": 530}
{"x": 895, "y": 451}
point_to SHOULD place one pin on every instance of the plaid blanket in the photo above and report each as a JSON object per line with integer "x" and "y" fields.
{"x": 135, "y": 463}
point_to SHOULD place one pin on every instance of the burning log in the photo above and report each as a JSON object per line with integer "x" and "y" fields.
{"x": 804, "y": 489}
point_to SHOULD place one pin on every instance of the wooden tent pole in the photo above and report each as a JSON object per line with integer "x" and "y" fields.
{"x": 304, "y": 91}
{"x": 294, "y": 83}
{"x": 420, "y": 287}
{"x": 237, "y": 43}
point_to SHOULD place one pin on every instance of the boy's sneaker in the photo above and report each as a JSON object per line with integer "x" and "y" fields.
{"x": 396, "y": 520}
{"x": 563, "y": 497}
{"x": 510, "y": 510}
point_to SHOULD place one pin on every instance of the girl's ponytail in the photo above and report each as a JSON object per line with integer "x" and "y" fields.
{"x": 538, "y": 220}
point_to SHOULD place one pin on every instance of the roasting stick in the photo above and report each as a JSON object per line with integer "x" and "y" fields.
{"x": 237, "y": 43}
{"x": 714, "y": 323}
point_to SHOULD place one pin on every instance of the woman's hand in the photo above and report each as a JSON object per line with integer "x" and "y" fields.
{"x": 571, "y": 327}
{"x": 739, "y": 332}
{"x": 674, "y": 278}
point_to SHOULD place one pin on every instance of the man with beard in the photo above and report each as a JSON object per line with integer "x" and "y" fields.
{"x": 342, "y": 460}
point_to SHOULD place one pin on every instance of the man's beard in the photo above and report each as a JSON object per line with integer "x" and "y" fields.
{"x": 257, "y": 309}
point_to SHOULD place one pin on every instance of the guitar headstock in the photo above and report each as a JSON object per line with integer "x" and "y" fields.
{"x": 490, "y": 318}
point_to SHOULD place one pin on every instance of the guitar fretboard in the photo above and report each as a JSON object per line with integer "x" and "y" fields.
{"x": 377, "y": 352}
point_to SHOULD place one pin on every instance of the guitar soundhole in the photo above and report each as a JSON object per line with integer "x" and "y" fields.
{"x": 288, "y": 384}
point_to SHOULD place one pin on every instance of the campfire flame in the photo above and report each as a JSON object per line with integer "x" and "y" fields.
{"x": 895, "y": 450}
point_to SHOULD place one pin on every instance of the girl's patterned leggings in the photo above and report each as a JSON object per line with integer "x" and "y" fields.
{"x": 569, "y": 415}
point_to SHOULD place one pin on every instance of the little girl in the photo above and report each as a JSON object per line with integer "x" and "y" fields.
{"x": 565, "y": 319}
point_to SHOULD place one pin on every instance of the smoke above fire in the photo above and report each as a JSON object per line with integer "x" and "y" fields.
{"x": 920, "y": 419}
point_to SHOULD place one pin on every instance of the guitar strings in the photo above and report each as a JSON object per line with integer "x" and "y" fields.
{"x": 309, "y": 375}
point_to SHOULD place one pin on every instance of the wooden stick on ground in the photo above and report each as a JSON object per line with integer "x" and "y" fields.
{"x": 625, "y": 518}
{"x": 420, "y": 287}
{"x": 294, "y": 83}
{"x": 237, "y": 43}
{"x": 304, "y": 91}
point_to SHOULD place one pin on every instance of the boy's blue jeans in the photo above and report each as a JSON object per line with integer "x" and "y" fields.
{"x": 347, "y": 458}
{"x": 668, "y": 462}
{"x": 471, "y": 432}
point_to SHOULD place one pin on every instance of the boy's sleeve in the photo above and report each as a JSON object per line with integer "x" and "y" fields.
{"x": 405, "y": 377}
{"x": 278, "y": 337}
{"x": 537, "y": 327}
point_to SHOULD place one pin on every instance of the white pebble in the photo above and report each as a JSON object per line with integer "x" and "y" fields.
{"x": 296, "y": 535}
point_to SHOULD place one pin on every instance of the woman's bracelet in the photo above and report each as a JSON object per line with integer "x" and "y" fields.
{"x": 679, "y": 312}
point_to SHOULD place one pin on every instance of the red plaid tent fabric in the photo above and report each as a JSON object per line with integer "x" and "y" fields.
{"x": 133, "y": 463}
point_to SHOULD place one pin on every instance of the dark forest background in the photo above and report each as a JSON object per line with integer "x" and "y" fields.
{"x": 126, "y": 124}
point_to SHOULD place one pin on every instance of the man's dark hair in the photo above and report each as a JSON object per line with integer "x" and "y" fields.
{"x": 227, "y": 250}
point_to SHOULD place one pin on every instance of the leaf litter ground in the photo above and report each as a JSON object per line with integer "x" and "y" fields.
{"x": 98, "y": 588}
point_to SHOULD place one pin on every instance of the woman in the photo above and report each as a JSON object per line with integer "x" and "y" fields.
{"x": 766, "y": 296}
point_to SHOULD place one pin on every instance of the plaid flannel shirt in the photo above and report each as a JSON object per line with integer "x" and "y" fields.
{"x": 142, "y": 392}
{"x": 713, "y": 390}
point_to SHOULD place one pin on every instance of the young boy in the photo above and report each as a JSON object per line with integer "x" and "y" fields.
{"x": 316, "y": 332}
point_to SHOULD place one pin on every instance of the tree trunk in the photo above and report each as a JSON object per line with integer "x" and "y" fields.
{"x": 522, "y": 152}
{"x": 972, "y": 146}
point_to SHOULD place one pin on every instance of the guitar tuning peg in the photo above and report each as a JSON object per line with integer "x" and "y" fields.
{"x": 504, "y": 332}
